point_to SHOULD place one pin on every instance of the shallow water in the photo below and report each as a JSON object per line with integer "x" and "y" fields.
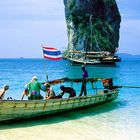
{"x": 118, "y": 120}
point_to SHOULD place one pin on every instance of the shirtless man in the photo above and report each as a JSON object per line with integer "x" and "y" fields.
{"x": 68, "y": 90}
{"x": 3, "y": 90}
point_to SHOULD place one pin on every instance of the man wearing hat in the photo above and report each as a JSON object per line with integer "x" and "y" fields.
{"x": 50, "y": 94}
{"x": 3, "y": 90}
{"x": 34, "y": 89}
{"x": 85, "y": 75}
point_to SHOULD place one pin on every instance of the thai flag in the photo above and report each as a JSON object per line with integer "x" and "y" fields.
{"x": 51, "y": 53}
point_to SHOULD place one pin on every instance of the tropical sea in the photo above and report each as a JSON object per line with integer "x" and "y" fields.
{"x": 118, "y": 120}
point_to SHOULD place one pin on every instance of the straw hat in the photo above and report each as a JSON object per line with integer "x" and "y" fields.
{"x": 34, "y": 78}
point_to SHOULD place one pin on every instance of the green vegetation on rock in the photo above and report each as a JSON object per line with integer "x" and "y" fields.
{"x": 90, "y": 22}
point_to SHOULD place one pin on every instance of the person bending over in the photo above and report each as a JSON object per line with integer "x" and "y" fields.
{"x": 68, "y": 90}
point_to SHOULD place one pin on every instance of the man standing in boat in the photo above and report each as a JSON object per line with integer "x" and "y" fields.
{"x": 85, "y": 75}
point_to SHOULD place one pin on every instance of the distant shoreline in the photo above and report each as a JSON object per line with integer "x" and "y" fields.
{"x": 128, "y": 56}
{"x": 121, "y": 55}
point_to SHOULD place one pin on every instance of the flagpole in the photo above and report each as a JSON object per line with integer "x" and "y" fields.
{"x": 47, "y": 78}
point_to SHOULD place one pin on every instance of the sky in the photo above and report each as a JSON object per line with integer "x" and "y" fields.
{"x": 26, "y": 25}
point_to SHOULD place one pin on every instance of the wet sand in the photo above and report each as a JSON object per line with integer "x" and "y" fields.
{"x": 99, "y": 123}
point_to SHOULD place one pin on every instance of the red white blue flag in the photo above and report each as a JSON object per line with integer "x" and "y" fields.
{"x": 51, "y": 53}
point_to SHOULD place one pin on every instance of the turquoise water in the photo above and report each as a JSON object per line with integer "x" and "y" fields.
{"x": 117, "y": 120}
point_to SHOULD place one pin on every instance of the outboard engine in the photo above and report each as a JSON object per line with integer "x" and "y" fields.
{"x": 108, "y": 83}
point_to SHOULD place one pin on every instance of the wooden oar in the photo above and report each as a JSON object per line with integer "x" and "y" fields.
{"x": 128, "y": 86}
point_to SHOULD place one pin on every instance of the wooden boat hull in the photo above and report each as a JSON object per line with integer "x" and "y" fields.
{"x": 11, "y": 110}
{"x": 100, "y": 61}
{"x": 103, "y": 63}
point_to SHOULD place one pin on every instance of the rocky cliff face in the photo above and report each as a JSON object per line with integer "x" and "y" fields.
{"x": 92, "y": 25}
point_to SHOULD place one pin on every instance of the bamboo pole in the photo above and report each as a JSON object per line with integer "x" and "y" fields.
{"x": 128, "y": 86}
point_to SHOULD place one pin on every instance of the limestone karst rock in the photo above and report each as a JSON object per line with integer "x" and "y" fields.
{"x": 92, "y": 22}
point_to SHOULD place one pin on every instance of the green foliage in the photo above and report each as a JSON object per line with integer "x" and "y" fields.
{"x": 71, "y": 4}
{"x": 102, "y": 34}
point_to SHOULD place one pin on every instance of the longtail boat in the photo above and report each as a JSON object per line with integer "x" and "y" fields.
{"x": 11, "y": 110}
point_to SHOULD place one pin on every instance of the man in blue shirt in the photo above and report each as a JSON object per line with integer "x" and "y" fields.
{"x": 85, "y": 75}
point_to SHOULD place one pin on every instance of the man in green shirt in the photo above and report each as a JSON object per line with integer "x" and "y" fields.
{"x": 34, "y": 89}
